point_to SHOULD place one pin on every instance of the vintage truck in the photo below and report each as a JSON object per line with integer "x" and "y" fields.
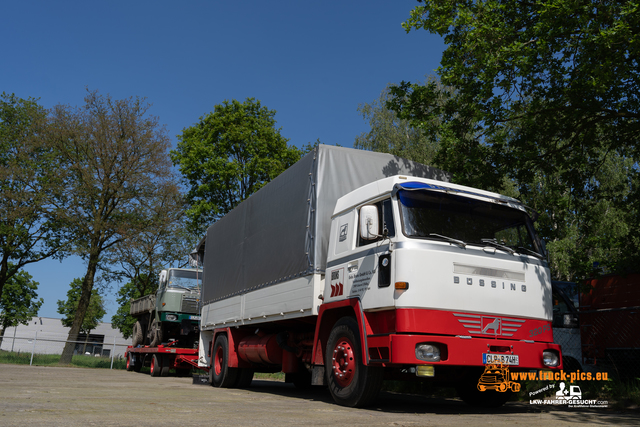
{"x": 352, "y": 267}
{"x": 171, "y": 314}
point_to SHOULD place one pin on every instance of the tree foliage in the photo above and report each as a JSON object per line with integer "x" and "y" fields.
{"x": 393, "y": 135}
{"x": 29, "y": 189}
{"x": 69, "y": 308}
{"x": 117, "y": 176}
{"x": 545, "y": 95}
{"x": 229, "y": 155}
{"x": 19, "y": 301}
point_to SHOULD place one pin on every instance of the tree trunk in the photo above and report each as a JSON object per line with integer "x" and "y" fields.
{"x": 83, "y": 305}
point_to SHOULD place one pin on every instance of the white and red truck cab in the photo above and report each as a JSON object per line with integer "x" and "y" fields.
{"x": 408, "y": 278}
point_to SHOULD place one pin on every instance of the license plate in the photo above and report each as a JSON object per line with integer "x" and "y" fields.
{"x": 194, "y": 317}
{"x": 498, "y": 359}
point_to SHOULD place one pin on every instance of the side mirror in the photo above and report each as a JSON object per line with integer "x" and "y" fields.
{"x": 369, "y": 222}
{"x": 162, "y": 280}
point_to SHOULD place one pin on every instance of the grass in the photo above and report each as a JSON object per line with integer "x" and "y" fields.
{"x": 80, "y": 361}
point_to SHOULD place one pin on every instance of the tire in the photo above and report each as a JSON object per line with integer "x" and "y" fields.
{"x": 166, "y": 366}
{"x": 221, "y": 374}
{"x": 155, "y": 333}
{"x": 137, "y": 335}
{"x": 129, "y": 362}
{"x": 156, "y": 366}
{"x": 245, "y": 376}
{"x": 137, "y": 362}
{"x": 351, "y": 383}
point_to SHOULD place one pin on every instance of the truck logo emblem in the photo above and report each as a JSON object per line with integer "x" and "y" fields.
{"x": 489, "y": 325}
{"x": 343, "y": 232}
{"x": 495, "y": 325}
{"x": 337, "y": 282}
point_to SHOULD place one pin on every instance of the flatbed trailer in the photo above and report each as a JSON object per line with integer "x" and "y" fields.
{"x": 162, "y": 359}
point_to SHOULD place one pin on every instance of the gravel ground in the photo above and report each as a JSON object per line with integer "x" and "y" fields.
{"x": 56, "y": 396}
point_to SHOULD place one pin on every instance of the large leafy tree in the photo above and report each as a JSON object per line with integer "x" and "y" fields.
{"x": 229, "y": 155}
{"x": 19, "y": 301}
{"x": 117, "y": 172}
{"x": 30, "y": 196}
{"x": 539, "y": 85}
{"x": 545, "y": 96}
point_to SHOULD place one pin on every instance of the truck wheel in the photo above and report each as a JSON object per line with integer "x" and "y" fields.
{"x": 137, "y": 334}
{"x": 351, "y": 382}
{"x": 245, "y": 376}
{"x": 155, "y": 333}
{"x": 129, "y": 362}
{"x": 156, "y": 366}
{"x": 137, "y": 362}
{"x": 166, "y": 366}
{"x": 220, "y": 373}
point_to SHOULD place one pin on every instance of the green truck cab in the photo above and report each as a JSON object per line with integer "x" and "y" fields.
{"x": 172, "y": 313}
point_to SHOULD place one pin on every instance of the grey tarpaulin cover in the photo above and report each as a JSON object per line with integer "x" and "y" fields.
{"x": 282, "y": 231}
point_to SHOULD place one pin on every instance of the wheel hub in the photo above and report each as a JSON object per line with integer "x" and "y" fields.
{"x": 343, "y": 363}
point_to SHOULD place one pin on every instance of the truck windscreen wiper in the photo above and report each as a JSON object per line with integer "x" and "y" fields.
{"x": 449, "y": 239}
{"x": 494, "y": 242}
{"x": 530, "y": 252}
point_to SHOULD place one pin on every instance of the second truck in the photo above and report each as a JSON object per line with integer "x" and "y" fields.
{"x": 352, "y": 267}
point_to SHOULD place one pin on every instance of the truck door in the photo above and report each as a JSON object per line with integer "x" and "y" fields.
{"x": 370, "y": 271}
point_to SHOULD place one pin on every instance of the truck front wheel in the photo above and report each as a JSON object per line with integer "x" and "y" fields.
{"x": 156, "y": 366}
{"x": 155, "y": 333}
{"x": 351, "y": 382}
{"x": 221, "y": 374}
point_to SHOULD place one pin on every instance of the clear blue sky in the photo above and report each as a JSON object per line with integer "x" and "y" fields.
{"x": 312, "y": 62}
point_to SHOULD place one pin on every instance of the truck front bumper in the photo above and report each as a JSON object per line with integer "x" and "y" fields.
{"x": 400, "y": 349}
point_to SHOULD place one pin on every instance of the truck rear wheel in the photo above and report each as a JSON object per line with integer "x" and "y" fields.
{"x": 245, "y": 376}
{"x": 129, "y": 362}
{"x": 220, "y": 373}
{"x": 137, "y": 335}
{"x": 155, "y": 333}
{"x": 156, "y": 366}
{"x": 351, "y": 383}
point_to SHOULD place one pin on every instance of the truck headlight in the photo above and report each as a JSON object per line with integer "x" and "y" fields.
{"x": 550, "y": 358}
{"x": 428, "y": 352}
{"x": 172, "y": 317}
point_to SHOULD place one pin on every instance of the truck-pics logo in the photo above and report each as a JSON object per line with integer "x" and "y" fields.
{"x": 489, "y": 325}
{"x": 337, "y": 282}
{"x": 496, "y": 377}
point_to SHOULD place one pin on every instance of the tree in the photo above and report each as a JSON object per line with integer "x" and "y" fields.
{"x": 116, "y": 168}
{"x": 566, "y": 73}
{"x": 229, "y": 155}
{"x": 390, "y": 134}
{"x": 19, "y": 301}
{"x": 545, "y": 96}
{"x": 69, "y": 308}
{"x": 29, "y": 189}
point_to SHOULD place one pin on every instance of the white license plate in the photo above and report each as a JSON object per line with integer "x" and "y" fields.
{"x": 497, "y": 359}
{"x": 194, "y": 317}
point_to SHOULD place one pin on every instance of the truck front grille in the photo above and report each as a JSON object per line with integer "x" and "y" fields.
{"x": 190, "y": 305}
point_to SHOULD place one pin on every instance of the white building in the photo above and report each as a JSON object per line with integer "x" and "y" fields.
{"x": 44, "y": 335}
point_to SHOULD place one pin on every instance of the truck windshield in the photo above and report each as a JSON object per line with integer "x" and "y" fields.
{"x": 449, "y": 217}
{"x": 185, "y": 279}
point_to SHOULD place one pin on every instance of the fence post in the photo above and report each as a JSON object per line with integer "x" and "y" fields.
{"x": 113, "y": 352}
{"x": 34, "y": 348}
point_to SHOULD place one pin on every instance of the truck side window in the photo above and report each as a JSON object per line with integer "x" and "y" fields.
{"x": 385, "y": 221}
